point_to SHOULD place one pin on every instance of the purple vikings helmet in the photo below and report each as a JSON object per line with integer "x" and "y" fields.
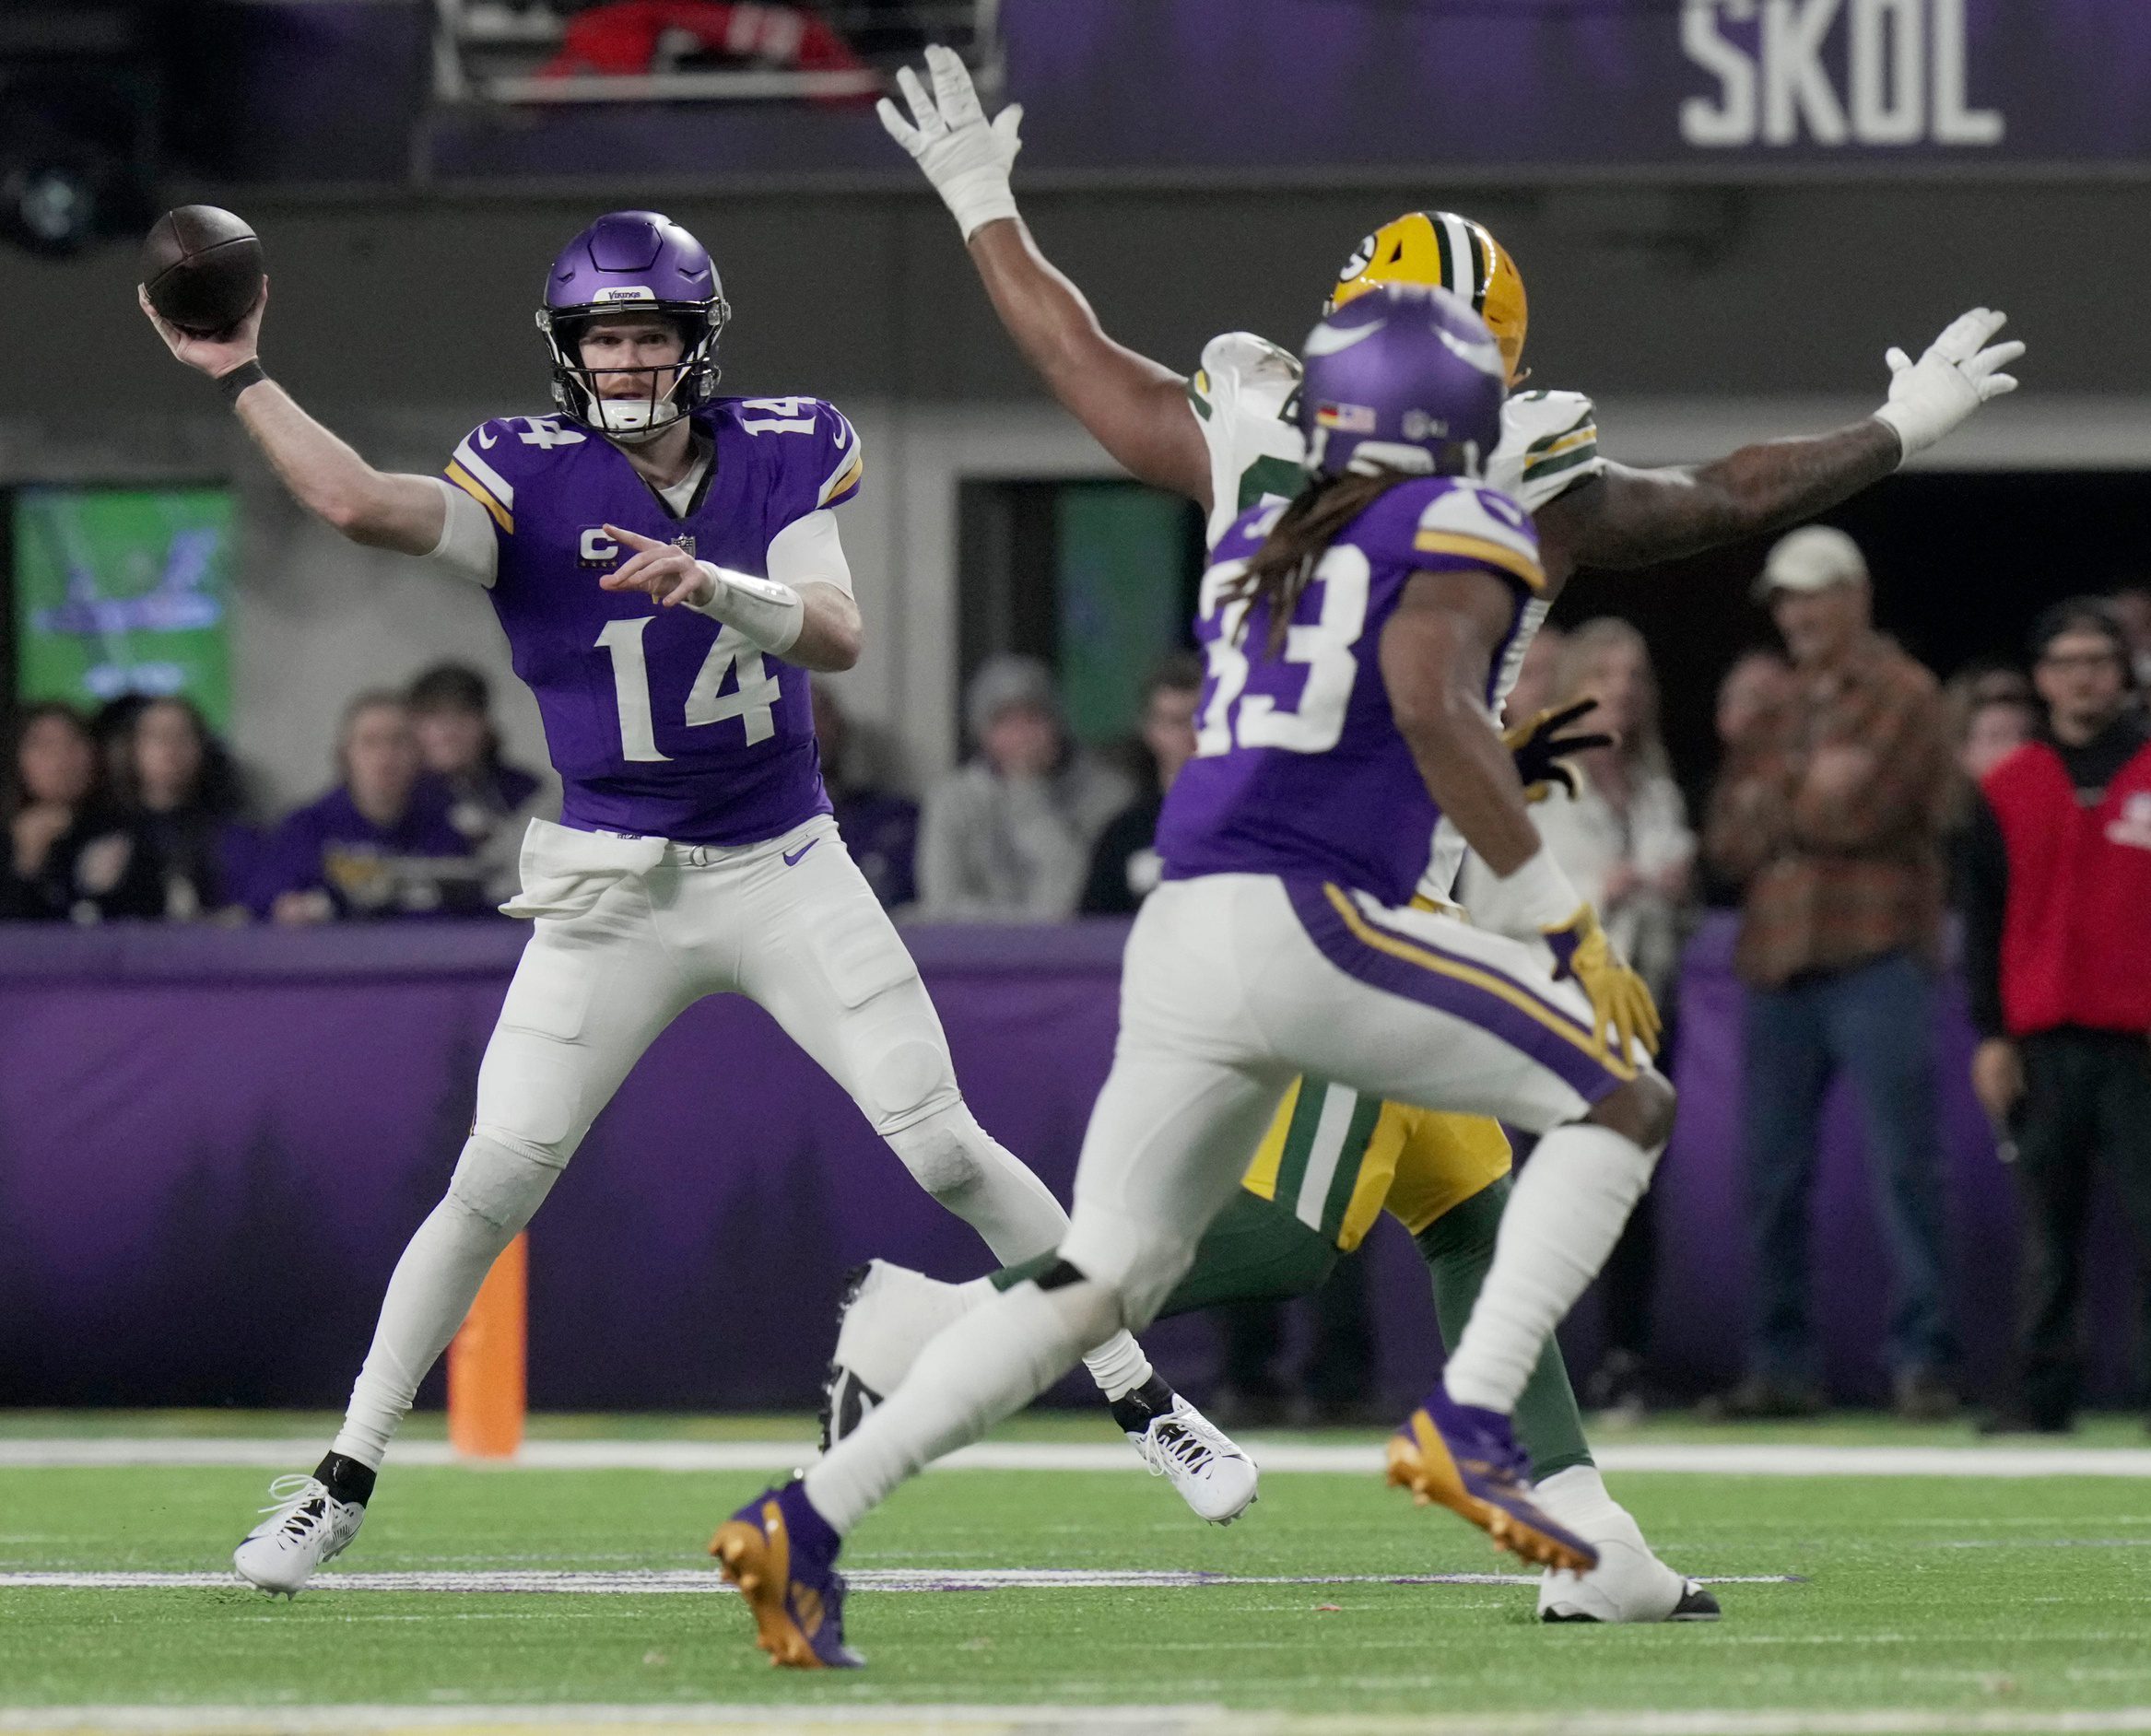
{"x": 633, "y": 262}
{"x": 1404, "y": 377}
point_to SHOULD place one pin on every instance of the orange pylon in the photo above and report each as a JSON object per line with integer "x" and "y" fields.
{"x": 485, "y": 1362}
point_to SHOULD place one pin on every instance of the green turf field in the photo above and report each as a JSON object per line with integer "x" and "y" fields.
{"x": 2004, "y": 1602}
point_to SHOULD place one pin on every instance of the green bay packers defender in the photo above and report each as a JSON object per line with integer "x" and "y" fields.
{"x": 1227, "y": 438}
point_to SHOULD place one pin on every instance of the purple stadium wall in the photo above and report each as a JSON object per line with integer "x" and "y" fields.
{"x": 214, "y": 1143}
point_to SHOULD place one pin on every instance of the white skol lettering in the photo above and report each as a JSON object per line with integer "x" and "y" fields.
{"x": 1954, "y": 123}
{"x": 1889, "y": 59}
{"x": 1899, "y": 78}
{"x": 1731, "y": 120}
{"x": 1795, "y": 87}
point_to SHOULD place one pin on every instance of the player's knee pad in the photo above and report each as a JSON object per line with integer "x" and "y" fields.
{"x": 947, "y": 1152}
{"x": 910, "y": 1082}
{"x": 501, "y": 1185}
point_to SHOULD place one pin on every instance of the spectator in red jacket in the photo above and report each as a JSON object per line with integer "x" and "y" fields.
{"x": 2058, "y": 957}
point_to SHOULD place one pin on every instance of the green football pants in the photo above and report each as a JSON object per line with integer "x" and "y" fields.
{"x": 1258, "y": 1250}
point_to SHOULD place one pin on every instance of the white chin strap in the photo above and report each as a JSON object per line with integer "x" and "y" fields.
{"x": 634, "y": 420}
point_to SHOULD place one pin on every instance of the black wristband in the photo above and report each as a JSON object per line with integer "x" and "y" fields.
{"x": 246, "y": 374}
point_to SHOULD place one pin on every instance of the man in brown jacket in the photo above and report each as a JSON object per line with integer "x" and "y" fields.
{"x": 1829, "y": 815}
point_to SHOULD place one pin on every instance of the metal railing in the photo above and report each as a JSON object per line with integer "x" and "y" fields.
{"x": 495, "y": 53}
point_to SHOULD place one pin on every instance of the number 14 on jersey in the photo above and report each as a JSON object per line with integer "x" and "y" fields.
{"x": 749, "y": 700}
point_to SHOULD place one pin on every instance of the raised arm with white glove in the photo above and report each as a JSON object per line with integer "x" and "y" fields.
{"x": 966, "y": 158}
{"x": 1135, "y": 407}
{"x": 1960, "y": 371}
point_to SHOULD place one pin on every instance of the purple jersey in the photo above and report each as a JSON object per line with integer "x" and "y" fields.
{"x": 660, "y": 722}
{"x": 1299, "y": 768}
{"x": 421, "y": 865}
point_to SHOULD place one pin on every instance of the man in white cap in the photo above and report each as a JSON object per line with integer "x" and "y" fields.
{"x": 1829, "y": 815}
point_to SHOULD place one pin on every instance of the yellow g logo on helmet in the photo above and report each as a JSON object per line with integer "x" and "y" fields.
{"x": 1450, "y": 253}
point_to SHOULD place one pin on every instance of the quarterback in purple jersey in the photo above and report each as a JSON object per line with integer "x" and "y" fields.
{"x": 1353, "y": 635}
{"x": 666, "y": 566}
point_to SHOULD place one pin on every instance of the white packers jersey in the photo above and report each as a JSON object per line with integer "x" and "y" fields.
{"x": 1243, "y": 397}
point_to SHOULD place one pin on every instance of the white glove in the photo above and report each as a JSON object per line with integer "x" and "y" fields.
{"x": 1931, "y": 396}
{"x": 967, "y": 159}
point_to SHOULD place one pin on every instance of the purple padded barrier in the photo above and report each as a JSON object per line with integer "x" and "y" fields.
{"x": 1703, "y": 1280}
{"x": 214, "y": 1143}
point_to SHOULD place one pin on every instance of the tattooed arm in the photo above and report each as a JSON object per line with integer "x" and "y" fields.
{"x": 1634, "y": 518}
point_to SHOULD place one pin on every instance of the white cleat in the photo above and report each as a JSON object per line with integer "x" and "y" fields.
{"x": 889, "y": 1315}
{"x": 1214, "y": 1477}
{"x": 305, "y": 1526}
{"x": 1629, "y": 1584}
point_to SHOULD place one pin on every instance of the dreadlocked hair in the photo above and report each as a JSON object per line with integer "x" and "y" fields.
{"x": 1280, "y": 570}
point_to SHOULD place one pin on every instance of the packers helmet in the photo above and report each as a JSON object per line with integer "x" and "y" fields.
{"x": 1450, "y": 253}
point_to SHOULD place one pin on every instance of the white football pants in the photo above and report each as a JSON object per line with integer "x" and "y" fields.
{"x": 1236, "y": 984}
{"x": 1233, "y": 986}
{"x": 629, "y": 932}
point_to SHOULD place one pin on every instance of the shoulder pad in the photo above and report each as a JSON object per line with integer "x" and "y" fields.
{"x": 1550, "y": 444}
{"x": 1244, "y": 373}
{"x": 490, "y": 458}
{"x": 814, "y": 452}
{"x": 1468, "y": 524}
{"x": 846, "y": 457}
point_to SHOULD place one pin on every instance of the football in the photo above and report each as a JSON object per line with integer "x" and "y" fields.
{"x": 203, "y": 268}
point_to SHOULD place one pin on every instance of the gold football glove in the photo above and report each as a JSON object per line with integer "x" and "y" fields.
{"x": 1620, "y": 1004}
{"x": 1542, "y": 752}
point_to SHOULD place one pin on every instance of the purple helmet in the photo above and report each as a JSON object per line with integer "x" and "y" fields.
{"x": 1404, "y": 377}
{"x": 633, "y": 262}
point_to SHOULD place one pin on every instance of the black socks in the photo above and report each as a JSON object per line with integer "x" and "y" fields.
{"x": 1133, "y": 1410}
{"x": 346, "y": 1479}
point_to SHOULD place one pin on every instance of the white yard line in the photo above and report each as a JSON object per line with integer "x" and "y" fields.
{"x": 627, "y": 1583}
{"x": 1723, "y": 1458}
{"x": 1029, "y": 1720}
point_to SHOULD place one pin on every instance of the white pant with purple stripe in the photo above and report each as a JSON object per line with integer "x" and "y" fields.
{"x": 1234, "y": 985}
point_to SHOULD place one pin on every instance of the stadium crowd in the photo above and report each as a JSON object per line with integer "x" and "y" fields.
{"x": 1855, "y": 800}
{"x": 138, "y": 813}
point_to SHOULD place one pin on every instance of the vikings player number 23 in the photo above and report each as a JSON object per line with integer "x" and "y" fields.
{"x": 1488, "y": 525}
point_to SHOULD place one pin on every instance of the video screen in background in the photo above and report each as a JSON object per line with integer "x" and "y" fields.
{"x": 123, "y": 590}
